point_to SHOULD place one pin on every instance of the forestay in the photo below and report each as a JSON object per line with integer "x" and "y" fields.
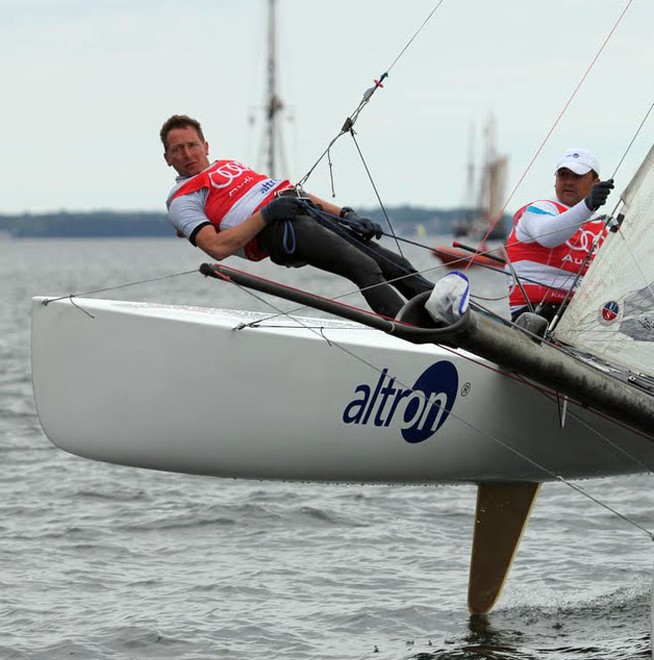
{"x": 612, "y": 313}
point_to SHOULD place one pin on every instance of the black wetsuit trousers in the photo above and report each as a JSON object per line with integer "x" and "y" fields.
{"x": 376, "y": 270}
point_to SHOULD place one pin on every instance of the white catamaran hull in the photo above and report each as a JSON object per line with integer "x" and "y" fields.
{"x": 180, "y": 389}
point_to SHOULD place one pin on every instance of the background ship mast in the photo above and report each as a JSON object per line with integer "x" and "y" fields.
{"x": 275, "y": 161}
{"x": 485, "y": 189}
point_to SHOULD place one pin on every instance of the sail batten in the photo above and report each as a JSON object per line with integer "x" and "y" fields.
{"x": 612, "y": 313}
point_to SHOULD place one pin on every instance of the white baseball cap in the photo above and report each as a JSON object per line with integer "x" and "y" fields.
{"x": 580, "y": 161}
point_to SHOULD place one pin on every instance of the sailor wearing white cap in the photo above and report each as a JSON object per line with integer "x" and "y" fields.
{"x": 579, "y": 161}
{"x": 551, "y": 238}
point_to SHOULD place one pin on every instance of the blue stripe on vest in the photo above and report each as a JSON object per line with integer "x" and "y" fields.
{"x": 537, "y": 211}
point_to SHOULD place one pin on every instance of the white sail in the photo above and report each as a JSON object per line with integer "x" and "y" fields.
{"x": 612, "y": 313}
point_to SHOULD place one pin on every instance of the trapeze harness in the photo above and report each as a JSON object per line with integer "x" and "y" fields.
{"x": 235, "y": 192}
{"x": 549, "y": 273}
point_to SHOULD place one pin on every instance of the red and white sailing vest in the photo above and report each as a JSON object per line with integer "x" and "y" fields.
{"x": 551, "y": 267}
{"x": 235, "y": 192}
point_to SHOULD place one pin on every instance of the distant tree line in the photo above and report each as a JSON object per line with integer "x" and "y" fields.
{"x": 112, "y": 224}
{"x": 97, "y": 224}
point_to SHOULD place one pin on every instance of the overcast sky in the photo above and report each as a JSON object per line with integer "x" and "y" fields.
{"x": 86, "y": 85}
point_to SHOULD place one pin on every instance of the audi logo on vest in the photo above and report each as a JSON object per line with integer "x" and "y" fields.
{"x": 224, "y": 175}
{"x": 419, "y": 411}
{"x": 584, "y": 242}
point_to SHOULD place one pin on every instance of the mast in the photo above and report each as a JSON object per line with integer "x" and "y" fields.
{"x": 489, "y": 185}
{"x": 470, "y": 201}
{"x": 493, "y": 181}
{"x": 274, "y": 104}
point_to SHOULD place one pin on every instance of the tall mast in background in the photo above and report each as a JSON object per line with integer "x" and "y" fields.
{"x": 484, "y": 190}
{"x": 274, "y": 105}
{"x": 494, "y": 177}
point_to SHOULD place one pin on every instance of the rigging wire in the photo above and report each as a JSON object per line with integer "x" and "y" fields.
{"x": 121, "y": 286}
{"x": 417, "y": 32}
{"x": 612, "y": 510}
{"x": 632, "y": 256}
{"x": 378, "y": 196}
{"x": 367, "y": 95}
{"x": 648, "y": 284}
{"x": 633, "y": 139}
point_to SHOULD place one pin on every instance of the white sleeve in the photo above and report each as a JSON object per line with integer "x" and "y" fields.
{"x": 187, "y": 215}
{"x": 541, "y": 222}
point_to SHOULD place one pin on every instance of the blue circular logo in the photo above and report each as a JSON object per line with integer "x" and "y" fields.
{"x": 430, "y": 403}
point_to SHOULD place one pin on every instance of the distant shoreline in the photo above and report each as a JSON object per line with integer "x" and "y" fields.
{"x": 116, "y": 224}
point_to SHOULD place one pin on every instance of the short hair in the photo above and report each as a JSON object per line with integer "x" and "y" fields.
{"x": 179, "y": 121}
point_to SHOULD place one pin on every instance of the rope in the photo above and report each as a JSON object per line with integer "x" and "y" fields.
{"x": 633, "y": 139}
{"x": 120, "y": 286}
{"x": 377, "y": 195}
{"x": 417, "y": 32}
{"x": 615, "y": 512}
{"x": 367, "y": 95}
{"x": 467, "y": 261}
{"x": 338, "y": 226}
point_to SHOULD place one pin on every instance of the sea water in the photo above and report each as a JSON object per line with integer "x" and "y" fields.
{"x": 103, "y": 561}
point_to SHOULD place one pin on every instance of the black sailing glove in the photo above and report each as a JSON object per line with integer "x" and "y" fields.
{"x": 366, "y": 228}
{"x": 598, "y": 194}
{"x": 282, "y": 208}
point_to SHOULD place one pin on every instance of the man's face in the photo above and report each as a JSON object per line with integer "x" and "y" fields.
{"x": 186, "y": 152}
{"x": 571, "y": 188}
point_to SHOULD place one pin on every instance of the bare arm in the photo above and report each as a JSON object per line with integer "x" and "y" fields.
{"x": 222, "y": 244}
